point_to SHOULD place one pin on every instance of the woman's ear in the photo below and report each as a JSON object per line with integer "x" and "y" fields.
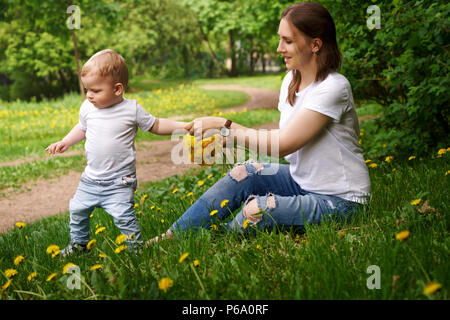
{"x": 118, "y": 88}
{"x": 316, "y": 44}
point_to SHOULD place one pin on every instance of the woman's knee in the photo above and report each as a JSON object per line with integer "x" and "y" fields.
{"x": 241, "y": 171}
{"x": 252, "y": 211}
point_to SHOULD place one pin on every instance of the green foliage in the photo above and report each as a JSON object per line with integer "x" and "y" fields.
{"x": 403, "y": 65}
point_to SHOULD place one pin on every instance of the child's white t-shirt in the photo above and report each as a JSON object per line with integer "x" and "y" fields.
{"x": 331, "y": 163}
{"x": 110, "y": 134}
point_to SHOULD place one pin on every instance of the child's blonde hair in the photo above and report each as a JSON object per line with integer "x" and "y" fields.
{"x": 107, "y": 63}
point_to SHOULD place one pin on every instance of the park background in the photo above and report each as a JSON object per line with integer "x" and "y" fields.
{"x": 399, "y": 75}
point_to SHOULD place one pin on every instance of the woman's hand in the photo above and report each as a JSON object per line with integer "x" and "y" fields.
{"x": 199, "y": 126}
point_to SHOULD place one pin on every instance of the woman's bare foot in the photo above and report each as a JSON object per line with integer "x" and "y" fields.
{"x": 167, "y": 235}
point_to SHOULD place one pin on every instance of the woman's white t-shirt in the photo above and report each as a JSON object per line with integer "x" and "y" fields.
{"x": 331, "y": 163}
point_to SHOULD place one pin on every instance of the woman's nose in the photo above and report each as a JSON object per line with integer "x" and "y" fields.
{"x": 280, "y": 47}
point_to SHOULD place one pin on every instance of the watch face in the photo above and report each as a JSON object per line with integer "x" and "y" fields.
{"x": 224, "y": 131}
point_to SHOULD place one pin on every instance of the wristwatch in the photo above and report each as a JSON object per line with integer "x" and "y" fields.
{"x": 225, "y": 130}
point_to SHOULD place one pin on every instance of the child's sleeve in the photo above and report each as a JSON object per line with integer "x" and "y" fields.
{"x": 144, "y": 119}
{"x": 82, "y": 117}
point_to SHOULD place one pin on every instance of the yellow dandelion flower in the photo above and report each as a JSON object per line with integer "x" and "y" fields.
{"x": 136, "y": 205}
{"x": 213, "y": 212}
{"x": 121, "y": 238}
{"x": 67, "y": 266}
{"x": 412, "y": 157}
{"x": 52, "y": 249}
{"x": 91, "y": 244}
{"x": 431, "y": 288}
{"x": 224, "y": 174}
{"x": 403, "y": 235}
{"x": 448, "y": 172}
{"x": 100, "y": 230}
{"x": 96, "y": 267}
{"x": 258, "y": 247}
{"x": 245, "y": 224}
{"x": 209, "y": 176}
{"x": 196, "y": 263}
{"x": 368, "y": 160}
{"x": 51, "y": 276}
{"x": 20, "y": 225}
{"x": 119, "y": 249}
{"x": 31, "y": 276}
{"x": 416, "y": 202}
{"x": 373, "y": 165}
{"x": 341, "y": 234}
{"x": 389, "y": 159}
{"x": 214, "y": 227}
{"x": 91, "y": 216}
{"x": 165, "y": 283}
{"x": 152, "y": 207}
{"x": 18, "y": 260}
{"x": 9, "y": 273}
{"x": 175, "y": 190}
{"x": 442, "y": 151}
{"x": 162, "y": 220}
{"x": 224, "y": 203}
{"x": 102, "y": 255}
{"x": 360, "y": 141}
{"x": 200, "y": 183}
{"x": 183, "y": 257}
{"x": 6, "y": 285}
{"x": 144, "y": 197}
{"x": 190, "y": 194}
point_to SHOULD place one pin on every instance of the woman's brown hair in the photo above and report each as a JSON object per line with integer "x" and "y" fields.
{"x": 314, "y": 21}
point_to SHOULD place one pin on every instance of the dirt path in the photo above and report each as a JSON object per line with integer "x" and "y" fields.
{"x": 47, "y": 197}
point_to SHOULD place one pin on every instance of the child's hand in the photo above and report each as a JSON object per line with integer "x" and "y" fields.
{"x": 57, "y": 147}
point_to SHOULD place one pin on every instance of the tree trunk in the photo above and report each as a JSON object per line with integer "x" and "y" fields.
{"x": 232, "y": 53}
{"x": 263, "y": 61}
{"x": 75, "y": 49}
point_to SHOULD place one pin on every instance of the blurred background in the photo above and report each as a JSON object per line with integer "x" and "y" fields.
{"x": 401, "y": 63}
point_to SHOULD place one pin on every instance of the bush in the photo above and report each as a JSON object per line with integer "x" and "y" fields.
{"x": 403, "y": 65}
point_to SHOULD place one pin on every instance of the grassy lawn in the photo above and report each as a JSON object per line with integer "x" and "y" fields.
{"x": 326, "y": 262}
{"x": 330, "y": 261}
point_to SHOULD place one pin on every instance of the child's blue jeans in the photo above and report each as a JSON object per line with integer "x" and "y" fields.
{"x": 115, "y": 196}
{"x": 282, "y": 201}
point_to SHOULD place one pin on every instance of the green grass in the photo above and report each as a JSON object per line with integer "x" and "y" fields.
{"x": 326, "y": 262}
{"x": 16, "y": 176}
{"x": 269, "y": 81}
{"x": 323, "y": 263}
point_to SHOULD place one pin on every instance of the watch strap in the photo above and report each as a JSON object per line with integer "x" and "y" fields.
{"x": 228, "y": 123}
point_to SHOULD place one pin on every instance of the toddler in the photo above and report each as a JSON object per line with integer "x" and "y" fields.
{"x": 109, "y": 123}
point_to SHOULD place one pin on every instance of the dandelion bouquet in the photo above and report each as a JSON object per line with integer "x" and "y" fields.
{"x": 203, "y": 151}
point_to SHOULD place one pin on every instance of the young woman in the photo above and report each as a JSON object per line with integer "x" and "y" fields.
{"x": 319, "y": 131}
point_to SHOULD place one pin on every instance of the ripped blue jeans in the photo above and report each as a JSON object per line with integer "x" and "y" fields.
{"x": 280, "y": 201}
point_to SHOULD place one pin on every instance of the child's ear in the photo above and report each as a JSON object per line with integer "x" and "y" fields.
{"x": 118, "y": 89}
